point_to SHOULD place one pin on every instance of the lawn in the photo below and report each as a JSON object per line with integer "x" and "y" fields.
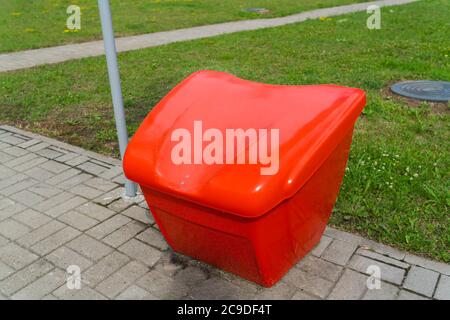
{"x": 396, "y": 189}
{"x": 42, "y": 23}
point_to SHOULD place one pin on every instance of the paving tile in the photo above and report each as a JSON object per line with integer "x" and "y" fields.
{"x": 443, "y": 288}
{"x": 321, "y": 268}
{"x": 141, "y": 252}
{"x": 388, "y": 273}
{"x": 25, "y": 276}
{"x": 12, "y": 180}
{"x": 339, "y": 252}
{"x": 13, "y": 189}
{"x": 109, "y": 196}
{"x": 54, "y": 166}
{"x": 308, "y": 282}
{"x": 122, "y": 279}
{"x": 15, "y": 151}
{"x": 351, "y": 286}
{"x": 164, "y": 287}
{"x": 320, "y": 248}
{"x": 5, "y": 202}
{"x": 214, "y": 288}
{"x": 77, "y": 160}
{"x": 55, "y": 240}
{"x": 170, "y": 263}
{"x": 154, "y": 238}
{"x": 191, "y": 275}
{"x": 13, "y": 140}
{"x": 138, "y": 213}
{"x": 48, "y": 204}
{"x": 3, "y": 241}
{"x": 45, "y": 190}
{"x": 67, "y": 156}
{"x": 119, "y": 205}
{"x": 30, "y": 164}
{"x": 86, "y": 191}
{"x": 406, "y": 295}
{"x": 27, "y": 198}
{"x": 301, "y": 295}
{"x": 343, "y": 236}
{"x": 95, "y": 211}
{"x": 16, "y": 257}
{"x": 12, "y": 229}
{"x": 65, "y": 206}
{"x": 108, "y": 226}
{"x": 84, "y": 293}
{"x": 64, "y": 257}
{"x": 382, "y": 258}
{"x": 42, "y": 286}
{"x": 39, "y": 174}
{"x": 120, "y": 179}
{"x": 4, "y": 171}
{"x": 17, "y": 161}
{"x": 49, "y": 153}
{"x": 104, "y": 268}
{"x": 111, "y": 173}
{"x": 77, "y": 220}
{"x": 40, "y": 233}
{"x": 5, "y": 271}
{"x": 89, "y": 247}
{"x": 92, "y": 168}
{"x": 123, "y": 234}
{"x": 422, "y": 281}
{"x": 144, "y": 204}
{"x": 38, "y": 146}
{"x": 60, "y": 178}
{"x": 100, "y": 184}
{"x": 428, "y": 264}
{"x": 4, "y": 157}
{"x": 32, "y": 218}
{"x": 280, "y": 291}
{"x": 386, "y": 292}
{"x": 10, "y": 210}
{"x": 28, "y": 143}
{"x": 133, "y": 293}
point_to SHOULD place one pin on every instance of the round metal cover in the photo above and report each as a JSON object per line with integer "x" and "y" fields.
{"x": 438, "y": 91}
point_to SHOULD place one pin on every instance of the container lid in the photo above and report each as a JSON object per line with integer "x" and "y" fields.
{"x": 239, "y": 146}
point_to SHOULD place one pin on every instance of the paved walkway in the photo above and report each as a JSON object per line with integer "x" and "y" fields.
{"x": 32, "y": 58}
{"x": 62, "y": 206}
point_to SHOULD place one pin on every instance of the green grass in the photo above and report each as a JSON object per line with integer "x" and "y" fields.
{"x": 42, "y": 23}
{"x": 396, "y": 189}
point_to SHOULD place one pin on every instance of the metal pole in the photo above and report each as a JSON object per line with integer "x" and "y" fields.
{"x": 114, "y": 81}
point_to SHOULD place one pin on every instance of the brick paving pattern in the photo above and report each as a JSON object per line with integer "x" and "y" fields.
{"x": 62, "y": 206}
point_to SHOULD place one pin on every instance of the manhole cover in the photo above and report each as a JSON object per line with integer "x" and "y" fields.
{"x": 438, "y": 91}
{"x": 258, "y": 10}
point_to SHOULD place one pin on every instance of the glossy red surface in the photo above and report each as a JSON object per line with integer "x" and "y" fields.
{"x": 312, "y": 120}
{"x": 231, "y": 216}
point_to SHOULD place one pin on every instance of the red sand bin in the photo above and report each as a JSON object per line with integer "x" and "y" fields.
{"x": 230, "y": 215}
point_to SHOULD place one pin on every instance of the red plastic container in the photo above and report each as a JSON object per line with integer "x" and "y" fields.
{"x": 231, "y": 215}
